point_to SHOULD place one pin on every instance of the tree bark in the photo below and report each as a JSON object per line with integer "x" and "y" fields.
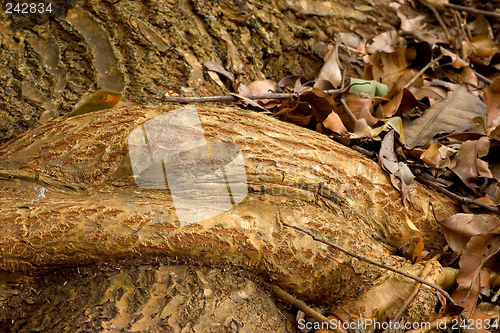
{"x": 92, "y": 210}
{"x": 68, "y": 196}
{"x": 53, "y": 61}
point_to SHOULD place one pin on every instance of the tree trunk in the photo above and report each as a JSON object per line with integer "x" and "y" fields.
{"x": 92, "y": 210}
{"x": 84, "y": 248}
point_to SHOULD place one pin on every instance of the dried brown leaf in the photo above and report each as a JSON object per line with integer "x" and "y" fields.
{"x": 403, "y": 103}
{"x": 479, "y": 249}
{"x": 399, "y": 173}
{"x": 456, "y": 61}
{"x": 100, "y": 100}
{"x": 459, "y": 228}
{"x": 218, "y": 69}
{"x": 333, "y": 123}
{"x": 470, "y": 167}
{"x": 331, "y": 69}
{"x": 451, "y": 114}
{"x": 492, "y": 100}
{"x": 480, "y": 49}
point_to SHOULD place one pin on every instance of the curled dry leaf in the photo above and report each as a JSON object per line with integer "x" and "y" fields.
{"x": 361, "y": 129}
{"x": 288, "y": 82}
{"x": 218, "y": 69}
{"x": 437, "y": 155}
{"x": 479, "y": 249}
{"x": 331, "y": 68}
{"x": 469, "y": 166}
{"x": 264, "y": 87}
{"x": 361, "y": 107}
{"x": 480, "y": 26}
{"x": 402, "y": 104}
{"x": 334, "y": 123}
{"x": 480, "y": 50}
{"x": 387, "y": 41}
{"x": 393, "y": 123}
{"x": 417, "y": 251}
{"x": 451, "y": 114}
{"x": 399, "y": 173}
{"x": 456, "y": 61}
{"x": 459, "y": 228}
{"x": 492, "y": 100}
{"x": 414, "y": 23}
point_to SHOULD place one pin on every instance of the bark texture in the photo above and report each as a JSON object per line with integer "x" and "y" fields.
{"x": 92, "y": 210}
{"x": 68, "y": 198}
{"x": 52, "y": 61}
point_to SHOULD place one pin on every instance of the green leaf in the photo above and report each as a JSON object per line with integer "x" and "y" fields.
{"x": 368, "y": 88}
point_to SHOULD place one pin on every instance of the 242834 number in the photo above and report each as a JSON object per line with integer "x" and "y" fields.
{"x": 28, "y": 8}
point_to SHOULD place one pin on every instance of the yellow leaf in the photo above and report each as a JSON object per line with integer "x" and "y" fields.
{"x": 100, "y": 100}
{"x": 417, "y": 252}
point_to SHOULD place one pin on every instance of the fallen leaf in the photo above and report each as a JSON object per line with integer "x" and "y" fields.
{"x": 333, "y": 123}
{"x": 100, "y": 100}
{"x": 399, "y": 173}
{"x": 458, "y": 229}
{"x": 218, "y": 69}
{"x": 437, "y": 155}
{"x": 492, "y": 100}
{"x": 331, "y": 68}
{"x": 470, "y": 167}
{"x": 480, "y": 248}
{"x": 456, "y": 61}
{"x": 264, "y": 87}
{"x": 288, "y": 82}
{"x": 387, "y": 41}
{"x": 361, "y": 107}
{"x": 417, "y": 252}
{"x": 451, "y": 114}
{"x": 393, "y": 123}
{"x": 403, "y": 103}
{"x": 480, "y": 50}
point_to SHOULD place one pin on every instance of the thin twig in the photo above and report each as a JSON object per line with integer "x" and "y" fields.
{"x": 457, "y": 197}
{"x": 375, "y": 263}
{"x": 473, "y": 10}
{"x": 363, "y": 151}
{"x": 348, "y": 110}
{"x": 426, "y": 67}
{"x": 229, "y": 98}
{"x": 438, "y": 18}
{"x": 483, "y": 78}
{"x": 462, "y": 32}
{"x": 301, "y": 305}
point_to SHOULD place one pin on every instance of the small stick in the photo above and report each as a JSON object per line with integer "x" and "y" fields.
{"x": 483, "y": 78}
{"x": 473, "y": 10}
{"x": 229, "y": 98}
{"x": 457, "y": 197}
{"x": 375, "y": 263}
{"x": 347, "y": 110}
{"x": 284, "y": 296}
{"x": 363, "y": 151}
{"x": 438, "y": 18}
{"x": 431, "y": 63}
